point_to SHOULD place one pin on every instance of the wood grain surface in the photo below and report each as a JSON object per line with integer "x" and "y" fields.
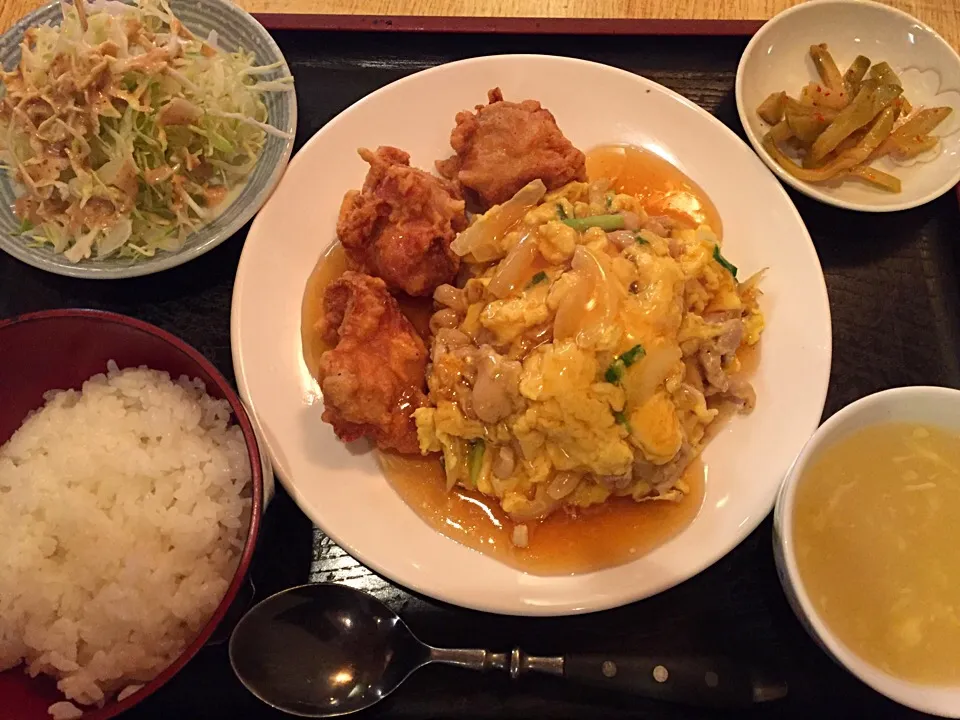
{"x": 943, "y": 15}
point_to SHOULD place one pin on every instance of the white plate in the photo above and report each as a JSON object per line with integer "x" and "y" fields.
{"x": 341, "y": 489}
{"x": 778, "y": 58}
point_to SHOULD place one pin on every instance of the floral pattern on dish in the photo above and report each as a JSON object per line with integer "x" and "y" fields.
{"x": 923, "y": 88}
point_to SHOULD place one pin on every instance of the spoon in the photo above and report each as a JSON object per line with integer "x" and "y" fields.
{"x": 324, "y": 650}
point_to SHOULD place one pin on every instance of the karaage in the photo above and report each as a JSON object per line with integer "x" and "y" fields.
{"x": 373, "y": 378}
{"x": 400, "y": 225}
{"x": 504, "y": 145}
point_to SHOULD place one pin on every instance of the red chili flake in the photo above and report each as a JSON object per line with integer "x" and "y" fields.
{"x": 819, "y": 89}
{"x": 819, "y": 117}
{"x": 826, "y": 94}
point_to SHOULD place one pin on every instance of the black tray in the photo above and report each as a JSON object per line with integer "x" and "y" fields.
{"x": 893, "y": 286}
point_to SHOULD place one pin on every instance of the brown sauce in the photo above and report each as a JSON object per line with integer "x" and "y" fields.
{"x": 613, "y": 533}
{"x": 664, "y": 188}
{"x": 618, "y": 531}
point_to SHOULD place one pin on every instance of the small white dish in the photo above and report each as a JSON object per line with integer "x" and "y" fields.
{"x": 929, "y": 405}
{"x": 341, "y": 488}
{"x": 777, "y": 58}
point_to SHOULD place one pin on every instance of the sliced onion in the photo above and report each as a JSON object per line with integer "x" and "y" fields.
{"x": 563, "y": 484}
{"x": 115, "y": 237}
{"x": 590, "y": 305}
{"x": 651, "y": 372}
{"x": 572, "y": 306}
{"x": 751, "y": 282}
{"x": 483, "y": 236}
{"x": 514, "y": 268}
{"x": 601, "y": 313}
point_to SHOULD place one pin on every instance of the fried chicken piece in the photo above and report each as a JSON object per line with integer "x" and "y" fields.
{"x": 373, "y": 378}
{"x": 400, "y": 226}
{"x": 504, "y": 145}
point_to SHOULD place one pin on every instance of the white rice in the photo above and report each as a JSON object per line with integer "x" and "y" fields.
{"x": 123, "y": 511}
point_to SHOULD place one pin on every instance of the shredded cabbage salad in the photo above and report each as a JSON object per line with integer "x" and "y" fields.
{"x": 126, "y": 132}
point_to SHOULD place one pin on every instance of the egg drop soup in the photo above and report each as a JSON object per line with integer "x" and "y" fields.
{"x": 876, "y": 527}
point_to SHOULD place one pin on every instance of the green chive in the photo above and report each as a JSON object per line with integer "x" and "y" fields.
{"x": 614, "y": 373}
{"x": 622, "y": 420}
{"x": 537, "y": 279}
{"x": 561, "y": 213}
{"x": 25, "y": 227}
{"x": 475, "y": 459}
{"x": 731, "y": 268}
{"x": 632, "y": 355}
{"x": 609, "y": 201}
{"x": 607, "y": 223}
{"x": 639, "y": 238}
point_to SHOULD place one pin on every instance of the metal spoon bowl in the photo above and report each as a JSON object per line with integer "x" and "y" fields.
{"x": 325, "y": 650}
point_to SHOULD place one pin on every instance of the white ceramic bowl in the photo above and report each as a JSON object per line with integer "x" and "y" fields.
{"x": 340, "y": 487}
{"x": 777, "y": 58}
{"x": 929, "y": 405}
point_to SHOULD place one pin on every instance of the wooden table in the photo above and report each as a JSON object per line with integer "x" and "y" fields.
{"x": 640, "y": 16}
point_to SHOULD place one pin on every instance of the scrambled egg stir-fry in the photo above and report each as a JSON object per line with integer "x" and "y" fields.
{"x": 586, "y": 353}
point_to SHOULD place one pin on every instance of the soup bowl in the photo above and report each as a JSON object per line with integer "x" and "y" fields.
{"x": 935, "y": 406}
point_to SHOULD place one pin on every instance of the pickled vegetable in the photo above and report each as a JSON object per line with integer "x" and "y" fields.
{"x": 877, "y": 178}
{"x": 864, "y": 108}
{"x": 807, "y": 122}
{"x": 840, "y": 123}
{"x": 826, "y": 67}
{"x": 781, "y": 132}
{"x": 913, "y": 132}
{"x": 771, "y": 109}
{"x": 884, "y": 74}
{"x": 821, "y": 96}
{"x": 912, "y": 148}
{"x": 878, "y": 131}
{"x": 923, "y": 122}
{"x": 854, "y": 74}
